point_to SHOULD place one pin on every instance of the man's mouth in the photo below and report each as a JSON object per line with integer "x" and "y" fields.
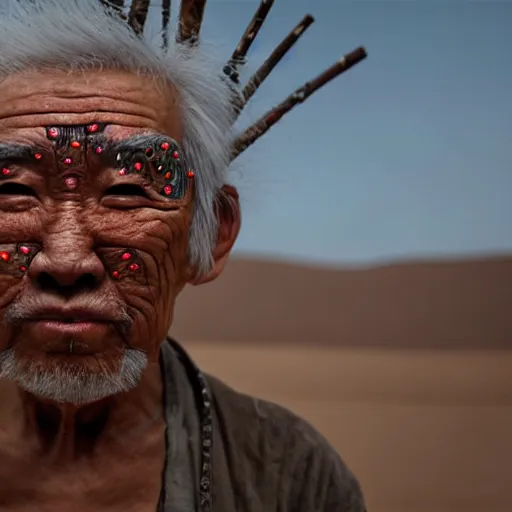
{"x": 87, "y": 331}
{"x": 71, "y": 316}
{"x": 87, "y": 337}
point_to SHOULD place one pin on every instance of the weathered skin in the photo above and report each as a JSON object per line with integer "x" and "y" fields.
{"x": 107, "y": 455}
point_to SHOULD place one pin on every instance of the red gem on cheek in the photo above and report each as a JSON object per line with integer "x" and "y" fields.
{"x": 138, "y": 166}
{"x": 165, "y": 146}
{"x": 134, "y": 267}
{"x": 99, "y": 150}
{"x": 22, "y": 268}
{"x": 175, "y": 155}
{"x": 68, "y": 161}
{"x": 6, "y": 171}
{"x": 38, "y": 156}
{"x": 24, "y": 250}
{"x": 126, "y": 256}
{"x": 190, "y": 174}
{"x": 115, "y": 274}
{"x": 5, "y": 256}
{"x": 168, "y": 190}
{"x": 93, "y": 128}
{"x": 167, "y": 175}
{"x": 122, "y": 171}
{"x": 75, "y": 144}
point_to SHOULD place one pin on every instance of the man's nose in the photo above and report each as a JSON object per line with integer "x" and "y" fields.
{"x": 67, "y": 269}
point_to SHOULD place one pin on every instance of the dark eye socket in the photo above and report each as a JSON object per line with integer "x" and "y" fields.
{"x": 16, "y": 189}
{"x": 126, "y": 189}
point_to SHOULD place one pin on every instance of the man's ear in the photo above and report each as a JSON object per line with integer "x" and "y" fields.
{"x": 227, "y": 209}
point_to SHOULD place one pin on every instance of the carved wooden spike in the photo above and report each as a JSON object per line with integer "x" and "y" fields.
{"x": 266, "y": 68}
{"x": 166, "y": 15}
{"x": 258, "y": 129}
{"x": 138, "y": 15}
{"x": 191, "y": 19}
{"x": 238, "y": 57}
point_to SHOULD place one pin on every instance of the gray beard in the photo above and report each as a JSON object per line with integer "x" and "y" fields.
{"x": 73, "y": 384}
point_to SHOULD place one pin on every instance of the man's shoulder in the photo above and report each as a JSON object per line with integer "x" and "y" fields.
{"x": 288, "y": 448}
{"x": 272, "y": 420}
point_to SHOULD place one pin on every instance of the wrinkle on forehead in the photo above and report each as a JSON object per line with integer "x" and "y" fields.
{"x": 132, "y": 102}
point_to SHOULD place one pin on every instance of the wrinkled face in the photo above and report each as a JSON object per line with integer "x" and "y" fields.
{"x": 95, "y": 209}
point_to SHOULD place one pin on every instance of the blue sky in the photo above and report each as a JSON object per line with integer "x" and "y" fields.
{"x": 408, "y": 155}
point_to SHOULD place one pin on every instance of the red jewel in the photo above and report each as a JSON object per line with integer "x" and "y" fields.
{"x": 115, "y": 274}
{"x": 6, "y": 171}
{"x": 5, "y": 256}
{"x": 75, "y": 144}
{"x": 122, "y": 171}
{"x": 93, "y": 128}
{"x": 126, "y": 256}
{"x": 167, "y": 175}
{"x": 71, "y": 182}
{"x": 25, "y": 250}
{"x": 168, "y": 190}
{"x": 134, "y": 267}
{"x": 149, "y": 151}
{"x": 53, "y": 133}
{"x": 165, "y": 146}
{"x": 190, "y": 174}
{"x": 38, "y": 156}
{"x": 175, "y": 155}
{"x": 138, "y": 166}
{"x": 99, "y": 150}
{"x": 68, "y": 161}
{"x": 22, "y": 268}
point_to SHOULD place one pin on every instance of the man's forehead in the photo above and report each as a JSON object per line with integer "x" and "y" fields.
{"x": 124, "y": 101}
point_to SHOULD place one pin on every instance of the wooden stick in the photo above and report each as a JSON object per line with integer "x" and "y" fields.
{"x": 260, "y": 127}
{"x": 275, "y": 57}
{"x": 116, "y": 5}
{"x": 238, "y": 57}
{"x": 166, "y": 16}
{"x": 138, "y": 15}
{"x": 190, "y": 21}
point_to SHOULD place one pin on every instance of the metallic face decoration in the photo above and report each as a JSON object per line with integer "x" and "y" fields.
{"x": 93, "y": 251}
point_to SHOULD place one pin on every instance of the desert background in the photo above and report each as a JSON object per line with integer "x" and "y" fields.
{"x": 406, "y": 368}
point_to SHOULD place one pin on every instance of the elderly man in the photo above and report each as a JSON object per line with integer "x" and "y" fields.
{"x": 113, "y": 158}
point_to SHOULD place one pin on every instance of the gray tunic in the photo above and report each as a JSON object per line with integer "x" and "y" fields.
{"x": 259, "y": 457}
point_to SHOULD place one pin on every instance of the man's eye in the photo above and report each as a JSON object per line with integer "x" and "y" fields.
{"x": 126, "y": 189}
{"x": 16, "y": 189}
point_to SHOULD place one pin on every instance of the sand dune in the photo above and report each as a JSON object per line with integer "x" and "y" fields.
{"x": 457, "y": 304}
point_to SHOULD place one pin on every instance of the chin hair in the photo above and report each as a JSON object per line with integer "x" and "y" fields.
{"x": 73, "y": 383}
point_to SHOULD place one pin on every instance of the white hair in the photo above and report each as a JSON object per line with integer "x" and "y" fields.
{"x": 79, "y": 35}
{"x": 69, "y": 382}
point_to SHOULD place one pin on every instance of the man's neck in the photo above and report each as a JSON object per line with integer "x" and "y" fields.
{"x": 63, "y": 432}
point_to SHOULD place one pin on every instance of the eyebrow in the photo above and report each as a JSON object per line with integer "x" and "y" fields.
{"x": 140, "y": 142}
{"x": 9, "y": 151}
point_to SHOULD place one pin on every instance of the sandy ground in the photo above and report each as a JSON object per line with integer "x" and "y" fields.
{"x": 424, "y": 431}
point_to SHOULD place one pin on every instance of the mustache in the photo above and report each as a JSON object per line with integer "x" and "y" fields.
{"x": 32, "y": 307}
